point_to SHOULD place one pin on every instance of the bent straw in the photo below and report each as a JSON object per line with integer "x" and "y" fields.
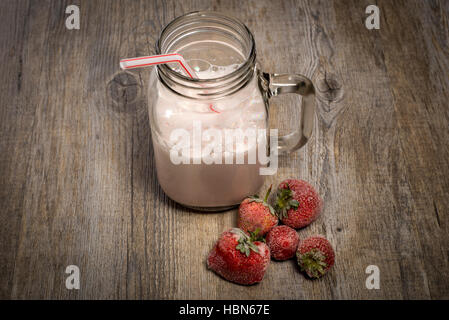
{"x": 140, "y": 62}
{"x": 160, "y": 59}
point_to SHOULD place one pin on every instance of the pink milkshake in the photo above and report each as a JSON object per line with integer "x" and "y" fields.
{"x": 193, "y": 182}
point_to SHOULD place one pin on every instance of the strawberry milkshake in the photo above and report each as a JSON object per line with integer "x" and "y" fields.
{"x": 204, "y": 177}
{"x": 211, "y": 141}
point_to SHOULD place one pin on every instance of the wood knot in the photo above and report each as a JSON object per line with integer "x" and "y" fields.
{"x": 124, "y": 90}
{"x": 329, "y": 88}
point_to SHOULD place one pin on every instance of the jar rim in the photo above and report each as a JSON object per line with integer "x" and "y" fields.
{"x": 249, "y": 60}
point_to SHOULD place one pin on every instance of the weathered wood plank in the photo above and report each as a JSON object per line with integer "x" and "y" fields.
{"x": 17, "y": 116}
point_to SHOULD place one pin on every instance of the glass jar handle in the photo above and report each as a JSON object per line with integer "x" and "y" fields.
{"x": 294, "y": 83}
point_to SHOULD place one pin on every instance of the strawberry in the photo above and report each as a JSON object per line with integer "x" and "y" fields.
{"x": 297, "y": 203}
{"x": 315, "y": 256}
{"x": 239, "y": 258}
{"x": 255, "y": 213}
{"x": 283, "y": 242}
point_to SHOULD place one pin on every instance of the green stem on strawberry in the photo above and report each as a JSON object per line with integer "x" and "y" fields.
{"x": 267, "y": 194}
{"x": 245, "y": 242}
{"x": 313, "y": 263}
{"x": 285, "y": 201}
{"x": 256, "y": 236}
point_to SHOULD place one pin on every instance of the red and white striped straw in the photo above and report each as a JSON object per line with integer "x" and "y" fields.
{"x": 160, "y": 59}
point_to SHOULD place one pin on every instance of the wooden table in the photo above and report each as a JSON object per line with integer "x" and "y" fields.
{"x": 78, "y": 184}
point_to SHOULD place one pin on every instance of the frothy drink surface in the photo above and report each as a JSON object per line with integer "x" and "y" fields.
{"x": 208, "y": 185}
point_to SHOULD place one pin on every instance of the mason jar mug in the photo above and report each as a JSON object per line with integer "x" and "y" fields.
{"x": 210, "y": 133}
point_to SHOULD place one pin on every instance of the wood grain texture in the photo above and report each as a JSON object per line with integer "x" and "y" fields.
{"x": 78, "y": 181}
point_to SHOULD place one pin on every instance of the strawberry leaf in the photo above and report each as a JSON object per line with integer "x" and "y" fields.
{"x": 294, "y": 203}
{"x": 245, "y": 242}
{"x": 285, "y": 201}
{"x": 255, "y": 236}
{"x": 313, "y": 263}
